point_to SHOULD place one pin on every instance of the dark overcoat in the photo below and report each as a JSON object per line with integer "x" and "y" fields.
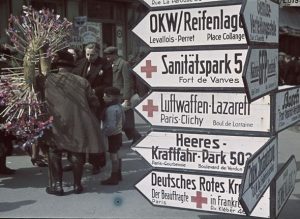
{"x": 70, "y": 101}
{"x": 122, "y": 78}
{"x": 99, "y": 75}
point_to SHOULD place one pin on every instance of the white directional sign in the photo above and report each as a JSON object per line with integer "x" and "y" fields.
{"x": 289, "y": 3}
{"x": 287, "y": 108}
{"x": 217, "y": 153}
{"x": 192, "y": 27}
{"x": 260, "y": 169}
{"x": 283, "y": 185}
{"x": 261, "y": 18}
{"x": 261, "y": 73}
{"x": 163, "y": 3}
{"x": 227, "y": 111}
{"x": 181, "y": 69}
{"x": 198, "y": 192}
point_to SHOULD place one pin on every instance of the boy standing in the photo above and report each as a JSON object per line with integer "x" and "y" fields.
{"x": 113, "y": 121}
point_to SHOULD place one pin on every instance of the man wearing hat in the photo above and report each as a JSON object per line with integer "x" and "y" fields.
{"x": 75, "y": 128}
{"x": 99, "y": 74}
{"x": 123, "y": 80}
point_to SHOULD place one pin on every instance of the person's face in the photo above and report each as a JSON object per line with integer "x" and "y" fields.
{"x": 287, "y": 58}
{"x": 281, "y": 58}
{"x": 54, "y": 58}
{"x": 107, "y": 98}
{"x": 110, "y": 57}
{"x": 91, "y": 54}
{"x": 74, "y": 54}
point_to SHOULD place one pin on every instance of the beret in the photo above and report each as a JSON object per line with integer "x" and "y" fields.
{"x": 112, "y": 91}
{"x": 64, "y": 58}
{"x": 282, "y": 53}
{"x": 111, "y": 50}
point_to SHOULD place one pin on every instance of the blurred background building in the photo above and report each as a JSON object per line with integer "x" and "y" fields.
{"x": 108, "y": 22}
{"x": 289, "y": 30}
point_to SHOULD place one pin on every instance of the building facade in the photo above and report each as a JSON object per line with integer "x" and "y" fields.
{"x": 109, "y": 22}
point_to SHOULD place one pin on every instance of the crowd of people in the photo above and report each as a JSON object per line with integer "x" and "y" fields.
{"x": 89, "y": 98}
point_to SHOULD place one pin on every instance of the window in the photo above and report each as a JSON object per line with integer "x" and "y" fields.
{"x": 100, "y": 10}
{"x": 57, "y": 6}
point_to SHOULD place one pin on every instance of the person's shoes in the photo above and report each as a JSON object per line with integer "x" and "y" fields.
{"x": 78, "y": 189}
{"x": 67, "y": 167}
{"x": 55, "y": 190}
{"x": 95, "y": 170}
{"x": 38, "y": 162}
{"x": 7, "y": 171}
{"x": 112, "y": 180}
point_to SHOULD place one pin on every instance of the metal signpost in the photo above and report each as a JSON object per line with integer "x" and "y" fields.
{"x": 283, "y": 185}
{"x": 259, "y": 171}
{"x": 185, "y": 151}
{"x": 198, "y": 192}
{"x": 219, "y": 25}
{"x": 261, "y": 74}
{"x": 213, "y": 77}
{"x": 206, "y": 110}
{"x": 260, "y": 19}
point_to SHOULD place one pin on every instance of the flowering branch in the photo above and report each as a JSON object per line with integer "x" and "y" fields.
{"x": 36, "y": 35}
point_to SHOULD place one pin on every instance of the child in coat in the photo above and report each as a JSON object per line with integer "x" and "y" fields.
{"x": 113, "y": 121}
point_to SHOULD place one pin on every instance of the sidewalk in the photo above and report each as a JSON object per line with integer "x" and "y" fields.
{"x": 23, "y": 194}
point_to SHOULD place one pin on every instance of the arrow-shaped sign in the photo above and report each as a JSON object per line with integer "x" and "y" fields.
{"x": 261, "y": 72}
{"x": 261, "y": 21}
{"x": 283, "y": 185}
{"x": 289, "y": 3}
{"x": 217, "y": 25}
{"x": 166, "y": 3}
{"x": 195, "y": 69}
{"x": 204, "y": 110}
{"x": 198, "y": 192}
{"x": 260, "y": 169}
{"x": 287, "y": 108}
{"x": 216, "y": 153}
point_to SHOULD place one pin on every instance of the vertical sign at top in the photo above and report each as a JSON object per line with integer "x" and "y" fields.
{"x": 261, "y": 21}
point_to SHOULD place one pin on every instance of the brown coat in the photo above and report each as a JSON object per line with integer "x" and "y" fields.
{"x": 122, "y": 78}
{"x": 70, "y": 101}
{"x": 99, "y": 76}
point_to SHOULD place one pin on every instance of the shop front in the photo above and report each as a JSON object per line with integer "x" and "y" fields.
{"x": 107, "y": 22}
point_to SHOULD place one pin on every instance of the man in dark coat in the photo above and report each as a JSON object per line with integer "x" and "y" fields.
{"x": 123, "y": 80}
{"x": 75, "y": 128}
{"x": 96, "y": 70}
{"x": 99, "y": 74}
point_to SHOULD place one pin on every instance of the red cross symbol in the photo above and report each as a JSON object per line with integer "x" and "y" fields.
{"x": 149, "y": 69}
{"x": 199, "y": 199}
{"x": 150, "y": 108}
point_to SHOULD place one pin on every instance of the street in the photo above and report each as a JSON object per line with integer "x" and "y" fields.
{"x": 23, "y": 194}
